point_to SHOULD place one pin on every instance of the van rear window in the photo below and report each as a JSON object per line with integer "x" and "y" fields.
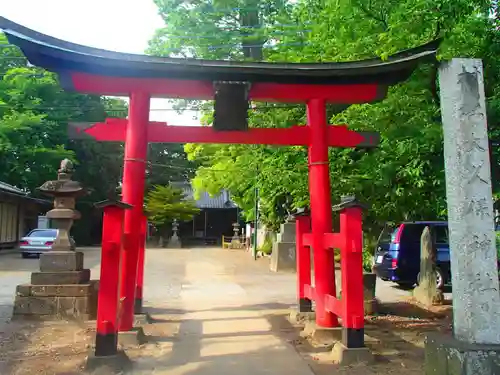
{"x": 413, "y": 232}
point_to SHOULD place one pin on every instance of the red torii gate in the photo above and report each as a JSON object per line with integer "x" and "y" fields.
{"x": 232, "y": 85}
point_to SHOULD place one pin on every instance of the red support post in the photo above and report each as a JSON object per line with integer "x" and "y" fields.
{"x": 351, "y": 228}
{"x": 134, "y": 170}
{"x": 321, "y": 215}
{"x": 139, "y": 285}
{"x": 107, "y": 307}
{"x": 303, "y": 253}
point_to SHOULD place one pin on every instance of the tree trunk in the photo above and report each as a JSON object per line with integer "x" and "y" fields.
{"x": 250, "y": 21}
{"x": 427, "y": 292}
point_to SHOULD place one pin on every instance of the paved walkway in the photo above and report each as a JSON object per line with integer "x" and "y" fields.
{"x": 225, "y": 299}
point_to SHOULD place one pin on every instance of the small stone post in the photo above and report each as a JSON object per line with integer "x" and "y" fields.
{"x": 475, "y": 347}
{"x": 427, "y": 292}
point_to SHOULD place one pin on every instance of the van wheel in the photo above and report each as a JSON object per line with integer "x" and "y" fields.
{"x": 440, "y": 281}
{"x": 25, "y": 255}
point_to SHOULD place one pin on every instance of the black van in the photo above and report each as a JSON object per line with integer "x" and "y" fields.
{"x": 397, "y": 255}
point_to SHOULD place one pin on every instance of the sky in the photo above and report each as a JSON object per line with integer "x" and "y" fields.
{"x": 116, "y": 25}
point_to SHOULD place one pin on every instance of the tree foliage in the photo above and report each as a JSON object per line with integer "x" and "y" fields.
{"x": 34, "y": 115}
{"x": 404, "y": 177}
{"x": 163, "y": 204}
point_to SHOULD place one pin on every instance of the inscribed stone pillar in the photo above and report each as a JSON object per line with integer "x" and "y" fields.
{"x": 476, "y": 297}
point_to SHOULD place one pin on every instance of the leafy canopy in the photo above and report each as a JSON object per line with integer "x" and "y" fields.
{"x": 404, "y": 177}
{"x": 163, "y": 204}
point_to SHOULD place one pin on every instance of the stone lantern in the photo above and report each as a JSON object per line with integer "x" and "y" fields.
{"x": 236, "y": 230}
{"x": 235, "y": 240}
{"x": 62, "y": 289}
{"x": 174, "y": 241}
{"x": 64, "y": 191}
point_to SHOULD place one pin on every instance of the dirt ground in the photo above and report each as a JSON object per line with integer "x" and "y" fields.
{"x": 396, "y": 337}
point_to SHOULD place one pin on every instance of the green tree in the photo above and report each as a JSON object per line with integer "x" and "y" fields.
{"x": 34, "y": 116}
{"x": 168, "y": 163}
{"x": 403, "y": 178}
{"x": 163, "y": 204}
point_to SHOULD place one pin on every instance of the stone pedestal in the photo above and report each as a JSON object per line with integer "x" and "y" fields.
{"x": 321, "y": 335}
{"x": 369, "y": 286}
{"x": 345, "y": 356}
{"x": 174, "y": 242}
{"x": 61, "y": 290}
{"x": 297, "y": 317}
{"x": 283, "y": 256}
{"x": 445, "y": 355}
{"x": 115, "y": 364}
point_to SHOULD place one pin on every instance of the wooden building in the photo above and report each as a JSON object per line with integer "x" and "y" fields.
{"x": 18, "y": 214}
{"x": 216, "y": 217}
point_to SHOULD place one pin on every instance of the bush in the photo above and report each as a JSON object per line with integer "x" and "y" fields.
{"x": 367, "y": 257}
{"x": 267, "y": 246}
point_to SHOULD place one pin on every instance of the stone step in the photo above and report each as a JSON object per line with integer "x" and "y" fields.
{"x": 75, "y": 290}
{"x": 61, "y": 278}
{"x": 57, "y": 307}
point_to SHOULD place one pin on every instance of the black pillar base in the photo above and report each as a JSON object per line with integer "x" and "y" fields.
{"x": 305, "y": 305}
{"x": 106, "y": 344}
{"x": 353, "y": 338}
{"x": 138, "y": 306}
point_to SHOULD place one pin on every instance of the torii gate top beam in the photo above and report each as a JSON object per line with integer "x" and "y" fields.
{"x": 104, "y": 72}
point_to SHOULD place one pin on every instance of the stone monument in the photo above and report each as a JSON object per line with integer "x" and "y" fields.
{"x": 283, "y": 256}
{"x": 62, "y": 289}
{"x": 427, "y": 292}
{"x": 475, "y": 345}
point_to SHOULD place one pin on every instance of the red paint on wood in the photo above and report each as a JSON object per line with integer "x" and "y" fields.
{"x": 107, "y": 307}
{"x": 351, "y": 262}
{"x": 134, "y": 170}
{"x": 332, "y": 240}
{"x": 334, "y": 305}
{"x": 139, "y": 285}
{"x": 114, "y": 130}
{"x": 321, "y": 215}
{"x": 203, "y": 90}
{"x": 309, "y": 292}
{"x": 303, "y": 255}
{"x": 307, "y": 238}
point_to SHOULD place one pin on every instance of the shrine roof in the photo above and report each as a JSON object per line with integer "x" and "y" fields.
{"x": 206, "y": 201}
{"x": 61, "y": 56}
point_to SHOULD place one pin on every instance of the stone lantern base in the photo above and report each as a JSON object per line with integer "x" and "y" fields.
{"x": 62, "y": 290}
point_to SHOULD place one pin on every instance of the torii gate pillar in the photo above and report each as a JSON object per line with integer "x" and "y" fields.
{"x": 321, "y": 215}
{"x": 134, "y": 172}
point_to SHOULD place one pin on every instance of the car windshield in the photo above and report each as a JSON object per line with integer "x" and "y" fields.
{"x": 47, "y": 233}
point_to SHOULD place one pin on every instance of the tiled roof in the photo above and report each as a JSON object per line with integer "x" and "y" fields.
{"x": 11, "y": 189}
{"x": 15, "y": 191}
{"x": 221, "y": 200}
